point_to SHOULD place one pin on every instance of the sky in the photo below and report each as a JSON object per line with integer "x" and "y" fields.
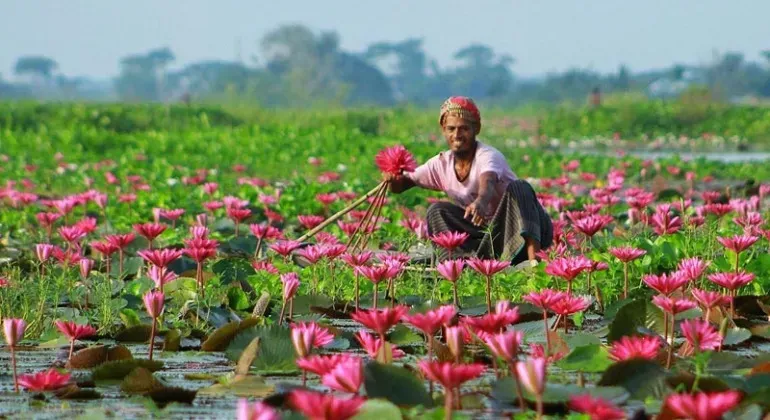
{"x": 88, "y": 37}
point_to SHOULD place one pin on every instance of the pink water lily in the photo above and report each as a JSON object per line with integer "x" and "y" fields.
{"x": 317, "y": 406}
{"x": 255, "y": 411}
{"x": 48, "y": 380}
{"x": 450, "y": 376}
{"x": 635, "y": 348}
{"x": 154, "y": 303}
{"x": 372, "y": 345}
{"x": 13, "y": 329}
{"x": 665, "y": 284}
{"x": 701, "y": 335}
{"x": 451, "y": 271}
{"x": 346, "y": 376}
{"x": 732, "y": 281}
{"x": 703, "y": 406}
{"x": 596, "y": 408}
{"x": 380, "y": 320}
{"x": 531, "y": 373}
{"x": 692, "y": 268}
{"x": 395, "y": 160}
{"x": 73, "y": 332}
{"x": 488, "y": 268}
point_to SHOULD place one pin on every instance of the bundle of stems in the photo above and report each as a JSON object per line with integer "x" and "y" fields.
{"x": 360, "y": 237}
{"x": 378, "y": 192}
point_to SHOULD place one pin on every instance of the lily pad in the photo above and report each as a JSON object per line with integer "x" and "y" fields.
{"x": 73, "y": 392}
{"x": 581, "y": 339}
{"x": 240, "y": 386}
{"x": 395, "y": 384}
{"x": 590, "y": 359}
{"x": 119, "y": 352}
{"x": 633, "y": 318}
{"x": 404, "y": 336}
{"x": 377, "y": 409}
{"x": 164, "y": 396}
{"x": 172, "y": 340}
{"x": 120, "y": 369}
{"x": 87, "y": 358}
{"x": 139, "y": 381}
{"x": 504, "y": 393}
{"x": 247, "y": 357}
{"x": 303, "y": 303}
{"x": 136, "y": 334}
{"x": 641, "y": 378}
{"x": 222, "y": 336}
{"x": 276, "y": 350}
{"x": 736, "y": 336}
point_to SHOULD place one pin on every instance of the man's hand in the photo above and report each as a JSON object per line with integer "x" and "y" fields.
{"x": 474, "y": 212}
{"x": 397, "y": 183}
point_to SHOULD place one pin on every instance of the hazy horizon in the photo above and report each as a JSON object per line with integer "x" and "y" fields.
{"x": 88, "y": 38}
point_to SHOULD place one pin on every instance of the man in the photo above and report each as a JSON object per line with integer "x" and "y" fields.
{"x": 500, "y": 212}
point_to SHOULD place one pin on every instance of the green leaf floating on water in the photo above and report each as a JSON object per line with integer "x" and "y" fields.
{"x": 736, "y": 336}
{"x": 276, "y": 351}
{"x": 504, "y": 393}
{"x": 241, "y": 386}
{"x": 641, "y": 378}
{"x": 222, "y": 336}
{"x": 377, "y": 409}
{"x": 118, "y": 370}
{"x": 135, "y": 334}
{"x": 404, "y": 336}
{"x": 140, "y": 381}
{"x": 636, "y": 315}
{"x": 590, "y": 359}
{"x": 303, "y": 303}
{"x": 395, "y": 384}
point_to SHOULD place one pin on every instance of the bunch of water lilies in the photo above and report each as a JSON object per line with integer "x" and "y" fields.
{"x": 580, "y": 252}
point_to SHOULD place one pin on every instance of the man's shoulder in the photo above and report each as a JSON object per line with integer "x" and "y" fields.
{"x": 486, "y": 149}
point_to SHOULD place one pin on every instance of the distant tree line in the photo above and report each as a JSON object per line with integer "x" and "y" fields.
{"x": 299, "y": 68}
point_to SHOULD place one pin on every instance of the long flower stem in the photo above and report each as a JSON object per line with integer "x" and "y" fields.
{"x": 283, "y": 308}
{"x": 671, "y": 345}
{"x": 152, "y": 337}
{"x": 519, "y": 393}
{"x": 356, "y": 286}
{"x": 489, "y": 294}
{"x": 120, "y": 263}
{"x": 199, "y": 278}
{"x": 625, "y": 280}
{"x": 539, "y": 399}
{"x": 733, "y": 293}
{"x": 448, "y": 403}
{"x": 13, "y": 366}
{"x": 375, "y": 295}
{"x": 72, "y": 347}
{"x": 454, "y": 294}
{"x": 547, "y": 334}
{"x": 429, "y": 339}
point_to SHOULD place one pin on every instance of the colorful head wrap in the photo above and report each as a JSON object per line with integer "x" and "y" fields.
{"x": 462, "y": 107}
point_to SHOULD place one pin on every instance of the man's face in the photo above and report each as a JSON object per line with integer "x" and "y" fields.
{"x": 460, "y": 134}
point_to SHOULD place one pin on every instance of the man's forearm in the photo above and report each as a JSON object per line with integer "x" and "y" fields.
{"x": 486, "y": 188}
